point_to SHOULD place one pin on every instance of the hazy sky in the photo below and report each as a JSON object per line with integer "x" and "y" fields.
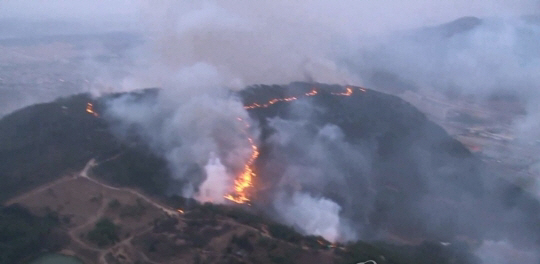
{"x": 70, "y": 9}
{"x": 368, "y": 14}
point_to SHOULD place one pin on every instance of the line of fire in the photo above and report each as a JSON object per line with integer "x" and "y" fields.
{"x": 244, "y": 181}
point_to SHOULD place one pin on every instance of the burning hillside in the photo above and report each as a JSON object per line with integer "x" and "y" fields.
{"x": 341, "y": 162}
{"x": 337, "y": 162}
{"x": 245, "y": 179}
{"x": 344, "y": 163}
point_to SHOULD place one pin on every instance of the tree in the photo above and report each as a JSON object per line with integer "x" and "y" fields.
{"x": 104, "y": 233}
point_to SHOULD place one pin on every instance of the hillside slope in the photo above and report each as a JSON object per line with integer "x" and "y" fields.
{"x": 395, "y": 175}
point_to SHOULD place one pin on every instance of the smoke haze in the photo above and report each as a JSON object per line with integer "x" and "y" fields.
{"x": 198, "y": 51}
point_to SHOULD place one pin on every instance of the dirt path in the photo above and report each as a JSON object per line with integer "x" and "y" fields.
{"x": 145, "y": 258}
{"x": 73, "y": 232}
{"x": 38, "y": 190}
{"x": 127, "y": 242}
{"x": 102, "y": 252}
{"x": 92, "y": 163}
{"x": 84, "y": 174}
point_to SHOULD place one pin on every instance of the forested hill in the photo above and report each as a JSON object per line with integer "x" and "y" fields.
{"x": 388, "y": 167}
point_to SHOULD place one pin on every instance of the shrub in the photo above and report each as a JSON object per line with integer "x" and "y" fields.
{"x": 114, "y": 204}
{"x": 104, "y": 233}
{"x": 284, "y": 233}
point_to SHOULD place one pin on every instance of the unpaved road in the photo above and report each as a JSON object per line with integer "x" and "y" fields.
{"x": 84, "y": 174}
{"x": 92, "y": 163}
{"x": 37, "y": 190}
{"x": 74, "y": 232}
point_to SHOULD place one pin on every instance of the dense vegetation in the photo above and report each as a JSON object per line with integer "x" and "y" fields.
{"x": 285, "y": 244}
{"x": 105, "y": 233}
{"x": 45, "y": 141}
{"x": 138, "y": 167}
{"x": 23, "y": 235}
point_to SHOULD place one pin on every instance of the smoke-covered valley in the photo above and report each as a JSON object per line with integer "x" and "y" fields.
{"x": 344, "y": 166}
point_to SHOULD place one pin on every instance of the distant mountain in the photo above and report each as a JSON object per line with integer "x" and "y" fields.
{"x": 458, "y": 26}
{"x": 468, "y": 56}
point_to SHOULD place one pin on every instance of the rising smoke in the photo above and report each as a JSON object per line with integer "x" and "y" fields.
{"x": 192, "y": 127}
{"x": 198, "y": 51}
{"x": 209, "y": 48}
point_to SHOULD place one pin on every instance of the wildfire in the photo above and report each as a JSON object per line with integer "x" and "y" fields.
{"x": 245, "y": 179}
{"x": 271, "y": 102}
{"x": 277, "y": 100}
{"x": 90, "y": 109}
{"x": 348, "y": 92}
{"x": 180, "y": 211}
{"x": 312, "y": 93}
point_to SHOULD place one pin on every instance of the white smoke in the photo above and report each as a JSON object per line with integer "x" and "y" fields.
{"x": 215, "y": 187}
{"x": 324, "y": 155}
{"x": 199, "y": 50}
{"x": 315, "y": 216}
{"x": 247, "y": 43}
{"x": 192, "y": 123}
{"x": 502, "y": 252}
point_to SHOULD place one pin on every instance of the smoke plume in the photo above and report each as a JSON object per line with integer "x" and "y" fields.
{"x": 324, "y": 184}
{"x": 193, "y": 126}
{"x": 310, "y": 215}
{"x": 199, "y": 51}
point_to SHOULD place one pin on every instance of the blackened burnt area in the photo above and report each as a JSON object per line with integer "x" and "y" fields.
{"x": 414, "y": 165}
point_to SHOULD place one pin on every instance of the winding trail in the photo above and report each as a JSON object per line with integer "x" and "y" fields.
{"x": 39, "y": 189}
{"x": 103, "y": 252}
{"x": 92, "y": 163}
{"x": 73, "y": 232}
{"x": 127, "y": 242}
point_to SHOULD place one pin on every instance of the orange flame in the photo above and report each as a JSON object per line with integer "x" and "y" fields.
{"x": 276, "y": 100}
{"x": 90, "y": 109}
{"x": 312, "y": 93}
{"x": 180, "y": 211}
{"x": 245, "y": 179}
{"x": 348, "y": 92}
